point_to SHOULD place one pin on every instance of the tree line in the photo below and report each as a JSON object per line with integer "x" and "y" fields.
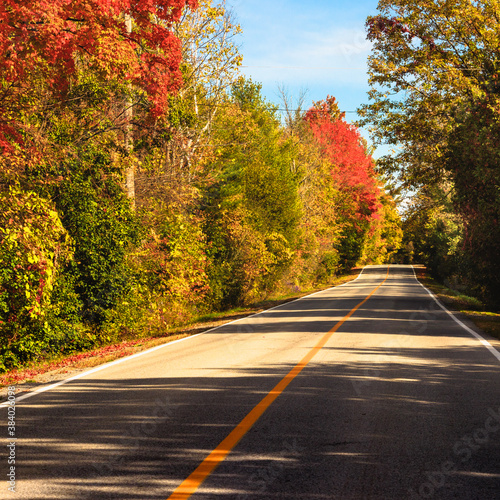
{"x": 144, "y": 181}
{"x": 435, "y": 92}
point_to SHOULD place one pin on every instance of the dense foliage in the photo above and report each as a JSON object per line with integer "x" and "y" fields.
{"x": 435, "y": 91}
{"x": 144, "y": 182}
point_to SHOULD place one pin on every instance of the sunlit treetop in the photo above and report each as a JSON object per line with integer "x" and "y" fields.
{"x": 342, "y": 145}
{"x": 49, "y": 40}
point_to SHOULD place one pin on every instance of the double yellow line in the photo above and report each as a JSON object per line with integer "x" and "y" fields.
{"x": 193, "y": 482}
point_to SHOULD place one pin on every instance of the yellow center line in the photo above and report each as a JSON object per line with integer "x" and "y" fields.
{"x": 193, "y": 482}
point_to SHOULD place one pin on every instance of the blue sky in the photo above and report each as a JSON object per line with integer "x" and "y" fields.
{"x": 318, "y": 46}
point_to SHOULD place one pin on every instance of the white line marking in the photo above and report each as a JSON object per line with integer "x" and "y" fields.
{"x": 136, "y": 355}
{"x": 96, "y": 369}
{"x": 464, "y": 326}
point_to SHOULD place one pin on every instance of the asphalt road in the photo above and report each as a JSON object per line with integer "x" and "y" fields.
{"x": 401, "y": 402}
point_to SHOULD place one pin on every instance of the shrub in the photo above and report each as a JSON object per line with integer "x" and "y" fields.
{"x": 33, "y": 247}
{"x": 99, "y": 218}
{"x": 175, "y": 259}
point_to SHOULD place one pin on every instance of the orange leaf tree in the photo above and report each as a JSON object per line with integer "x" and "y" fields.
{"x": 48, "y": 41}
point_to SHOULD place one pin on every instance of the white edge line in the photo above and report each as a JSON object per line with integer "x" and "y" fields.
{"x": 463, "y": 325}
{"x": 93, "y": 370}
{"x": 136, "y": 355}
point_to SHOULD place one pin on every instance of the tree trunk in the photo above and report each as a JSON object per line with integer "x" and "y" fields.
{"x": 128, "y": 140}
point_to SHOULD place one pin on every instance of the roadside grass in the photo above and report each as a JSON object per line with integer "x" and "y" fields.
{"x": 55, "y": 368}
{"x": 474, "y": 309}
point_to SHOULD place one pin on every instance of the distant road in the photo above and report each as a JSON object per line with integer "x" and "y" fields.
{"x": 397, "y": 401}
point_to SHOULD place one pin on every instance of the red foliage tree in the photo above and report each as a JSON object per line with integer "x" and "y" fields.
{"x": 46, "y": 39}
{"x": 342, "y": 145}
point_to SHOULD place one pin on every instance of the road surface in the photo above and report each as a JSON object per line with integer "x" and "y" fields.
{"x": 398, "y": 401}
